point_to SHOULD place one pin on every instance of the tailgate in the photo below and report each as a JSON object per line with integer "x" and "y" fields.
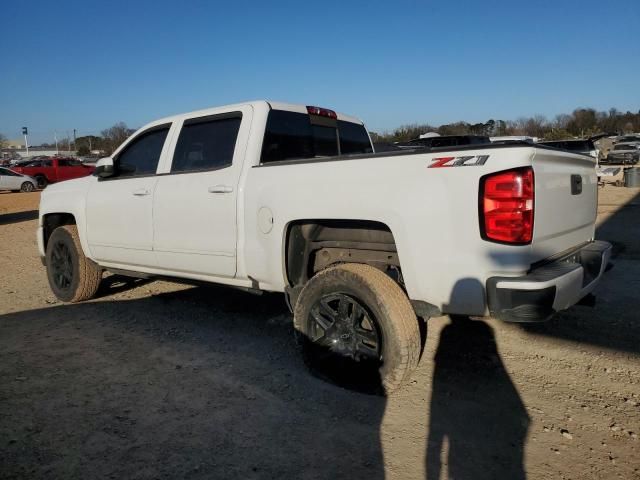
{"x": 566, "y": 197}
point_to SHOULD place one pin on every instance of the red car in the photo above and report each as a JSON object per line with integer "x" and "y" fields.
{"x": 54, "y": 169}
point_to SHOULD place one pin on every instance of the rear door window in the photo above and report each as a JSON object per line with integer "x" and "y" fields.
{"x": 206, "y": 143}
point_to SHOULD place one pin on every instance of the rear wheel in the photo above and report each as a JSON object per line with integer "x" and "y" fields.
{"x": 42, "y": 181}
{"x": 72, "y": 276}
{"x": 27, "y": 187}
{"x": 356, "y": 328}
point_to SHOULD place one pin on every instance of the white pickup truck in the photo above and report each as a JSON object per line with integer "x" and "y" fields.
{"x": 365, "y": 246}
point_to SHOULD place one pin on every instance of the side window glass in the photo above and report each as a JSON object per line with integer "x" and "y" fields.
{"x": 63, "y": 162}
{"x": 206, "y": 144}
{"x": 47, "y": 163}
{"x": 142, "y": 155}
{"x": 354, "y": 138}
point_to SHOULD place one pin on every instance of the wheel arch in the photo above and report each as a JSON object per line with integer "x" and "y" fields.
{"x": 51, "y": 221}
{"x": 311, "y": 245}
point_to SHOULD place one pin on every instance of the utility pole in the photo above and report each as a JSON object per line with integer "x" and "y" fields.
{"x": 25, "y": 132}
{"x": 55, "y": 136}
{"x": 75, "y": 145}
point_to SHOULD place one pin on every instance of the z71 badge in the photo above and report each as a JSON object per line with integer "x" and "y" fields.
{"x": 467, "y": 161}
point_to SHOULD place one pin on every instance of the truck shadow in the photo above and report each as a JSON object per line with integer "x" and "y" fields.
{"x": 206, "y": 383}
{"x": 9, "y": 218}
{"x": 198, "y": 383}
{"x": 613, "y": 322}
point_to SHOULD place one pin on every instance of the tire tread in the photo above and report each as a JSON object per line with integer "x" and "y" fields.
{"x": 396, "y": 306}
{"x": 89, "y": 274}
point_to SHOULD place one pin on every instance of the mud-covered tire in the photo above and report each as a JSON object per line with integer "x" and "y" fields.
{"x": 72, "y": 276}
{"x": 27, "y": 187}
{"x": 387, "y": 305}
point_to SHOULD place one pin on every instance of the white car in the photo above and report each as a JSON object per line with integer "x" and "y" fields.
{"x": 365, "y": 246}
{"x": 10, "y": 180}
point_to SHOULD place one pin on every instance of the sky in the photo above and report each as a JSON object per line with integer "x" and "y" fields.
{"x": 87, "y": 65}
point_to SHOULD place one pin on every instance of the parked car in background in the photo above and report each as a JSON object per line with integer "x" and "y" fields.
{"x": 624, "y": 154}
{"x": 628, "y": 139}
{"x": 16, "y": 182}
{"x": 444, "y": 141}
{"x": 584, "y": 146}
{"x": 54, "y": 169}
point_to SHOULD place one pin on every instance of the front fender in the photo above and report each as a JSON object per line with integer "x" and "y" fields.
{"x": 68, "y": 197}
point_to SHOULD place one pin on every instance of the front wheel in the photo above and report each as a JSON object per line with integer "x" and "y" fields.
{"x": 356, "y": 328}
{"x": 27, "y": 187}
{"x": 72, "y": 276}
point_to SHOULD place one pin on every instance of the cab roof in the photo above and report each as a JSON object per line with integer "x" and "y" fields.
{"x": 291, "y": 107}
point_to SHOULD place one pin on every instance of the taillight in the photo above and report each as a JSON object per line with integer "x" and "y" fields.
{"x": 506, "y": 206}
{"x": 322, "y": 112}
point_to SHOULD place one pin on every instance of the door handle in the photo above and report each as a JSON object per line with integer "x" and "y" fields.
{"x": 141, "y": 192}
{"x": 220, "y": 189}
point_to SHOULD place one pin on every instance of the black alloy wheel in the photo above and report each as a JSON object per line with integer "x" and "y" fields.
{"x": 342, "y": 326}
{"x": 62, "y": 266}
{"x": 356, "y": 328}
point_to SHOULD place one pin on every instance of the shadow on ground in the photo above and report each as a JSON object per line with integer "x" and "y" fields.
{"x": 199, "y": 383}
{"x": 8, "y": 218}
{"x": 207, "y": 383}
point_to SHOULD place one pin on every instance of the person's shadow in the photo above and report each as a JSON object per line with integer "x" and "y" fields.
{"x": 478, "y": 423}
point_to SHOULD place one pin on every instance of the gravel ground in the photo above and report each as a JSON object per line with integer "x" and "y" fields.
{"x": 162, "y": 380}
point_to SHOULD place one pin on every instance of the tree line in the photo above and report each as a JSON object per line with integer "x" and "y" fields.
{"x": 582, "y": 122}
{"x": 109, "y": 139}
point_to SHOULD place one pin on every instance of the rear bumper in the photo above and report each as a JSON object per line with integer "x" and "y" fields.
{"x": 555, "y": 286}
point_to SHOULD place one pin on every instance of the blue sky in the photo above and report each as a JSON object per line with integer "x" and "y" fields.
{"x": 87, "y": 65}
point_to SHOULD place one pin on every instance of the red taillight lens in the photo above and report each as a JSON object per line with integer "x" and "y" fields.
{"x": 322, "y": 112}
{"x": 506, "y": 206}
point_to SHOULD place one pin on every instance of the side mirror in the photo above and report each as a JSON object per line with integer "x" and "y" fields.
{"x": 105, "y": 168}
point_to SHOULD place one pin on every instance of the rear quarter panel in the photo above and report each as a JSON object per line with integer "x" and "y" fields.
{"x": 432, "y": 213}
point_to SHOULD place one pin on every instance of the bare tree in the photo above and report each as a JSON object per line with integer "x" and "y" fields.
{"x": 3, "y": 141}
{"x": 537, "y": 126}
{"x": 115, "y": 135}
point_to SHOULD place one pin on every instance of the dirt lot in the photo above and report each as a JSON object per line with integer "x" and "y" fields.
{"x": 160, "y": 380}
